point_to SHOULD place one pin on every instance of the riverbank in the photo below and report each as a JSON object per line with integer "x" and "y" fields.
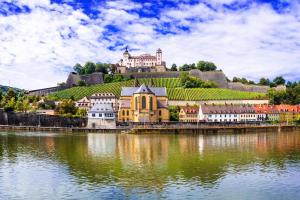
{"x": 165, "y": 130}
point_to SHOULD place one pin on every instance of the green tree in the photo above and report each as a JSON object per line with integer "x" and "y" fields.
{"x": 10, "y": 94}
{"x": 1, "y": 94}
{"x": 19, "y": 106}
{"x": 67, "y": 107}
{"x": 81, "y": 112}
{"x": 78, "y": 68}
{"x": 102, "y": 67}
{"x": 174, "y": 67}
{"x": 10, "y": 105}
{"x": 174, "y": 113}
{"x": 264, "y": 81}
{"x": 89, "y": 68}
{"x": 206, "y": 66}
{"x": 279, "y": 80}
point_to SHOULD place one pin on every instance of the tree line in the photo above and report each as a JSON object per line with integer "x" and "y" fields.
{"x": 200, "y": 65}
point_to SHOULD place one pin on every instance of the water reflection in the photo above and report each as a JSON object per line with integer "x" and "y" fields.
{"x": 152, "y": 163}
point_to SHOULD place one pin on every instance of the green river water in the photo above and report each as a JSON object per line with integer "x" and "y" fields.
{"x": 256, "y": 166}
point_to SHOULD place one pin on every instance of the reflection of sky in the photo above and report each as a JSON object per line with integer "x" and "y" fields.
{"x": 101, "y": 144}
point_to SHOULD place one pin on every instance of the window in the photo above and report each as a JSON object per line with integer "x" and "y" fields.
{"x": 123, "y": 112}
{"x": 136, "y": 103}
{"x": 100, "y": 114}
{"x": 127, "y": 112}
{"x": 143, "y": 102}
{"x": 93, "y": 115}
{"x": 159, "y": 112}
{"x": 151, "y": 107}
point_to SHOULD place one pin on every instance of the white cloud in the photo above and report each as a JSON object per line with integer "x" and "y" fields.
{"x": 37, "y": 48}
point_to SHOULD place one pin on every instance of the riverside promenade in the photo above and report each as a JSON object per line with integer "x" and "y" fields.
{"x": 158, "y": 129}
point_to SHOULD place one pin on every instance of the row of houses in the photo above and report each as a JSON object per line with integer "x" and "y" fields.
{"x": 239, "y": 113}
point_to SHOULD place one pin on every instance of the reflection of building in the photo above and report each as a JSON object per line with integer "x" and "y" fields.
{"x": 101, "y": 116}
{"x": 143, "y": 149}
{"x": 141, "y": 63}
{"x": 188, "y": 114}
{"x": 101, "y": 144}
{"x": 143, "y": 104}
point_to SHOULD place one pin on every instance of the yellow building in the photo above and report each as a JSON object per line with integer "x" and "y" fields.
{"x": 189, "y": 114}
{"x": 143, "y": 104}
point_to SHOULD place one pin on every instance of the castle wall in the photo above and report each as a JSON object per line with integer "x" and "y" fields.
{"x": 248, "y": 88}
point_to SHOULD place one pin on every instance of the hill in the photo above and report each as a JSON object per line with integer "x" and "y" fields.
{"x": 175, "y": 92}
{"x": 5, "y": 88}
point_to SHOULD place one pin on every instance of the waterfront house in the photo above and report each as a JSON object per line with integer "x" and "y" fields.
{"x": 104, "y": 98}
{"x": 143, "y": 104}
{"x": 267, "y": 113}
{"x": 102, "y": 116}
{"x": 83, "y": 103}
{"x": 226, "y": 113}
{"x": 188, "y": 114}
{"x": 288, "y": 113}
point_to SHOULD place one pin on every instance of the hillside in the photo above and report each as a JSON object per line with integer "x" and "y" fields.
{"x": 175, "y": 92}
{"x": 5, "y": 88}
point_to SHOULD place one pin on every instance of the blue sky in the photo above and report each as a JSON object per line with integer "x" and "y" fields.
{"x": 40, "y": 40}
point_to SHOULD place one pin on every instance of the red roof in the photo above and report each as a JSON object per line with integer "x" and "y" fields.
{"x": 276, "y": 108}
{"x": 190, "y": 110}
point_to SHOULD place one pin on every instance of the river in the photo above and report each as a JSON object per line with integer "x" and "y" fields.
{"x": 39, "y": 165}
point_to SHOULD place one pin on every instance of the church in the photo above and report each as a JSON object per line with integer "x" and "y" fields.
{"x": 141, "y": 63}
{"x": 143, "y": 104}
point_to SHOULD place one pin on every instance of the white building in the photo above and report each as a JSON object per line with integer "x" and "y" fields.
{"x": 144, "y": 60}
{"x": 227, "y": 113}
{"x": 104, "y": 98}
{"x": 102, "y": 116}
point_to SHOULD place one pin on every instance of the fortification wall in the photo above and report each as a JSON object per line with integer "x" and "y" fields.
{"x": 44, "y": 91}
{"x": 216, "y": 76}
{"x": 90, "y": 79}
{"x": 248, "y": 88}
{"x": 32, "y": 119}
{"x": 168, "y": 74}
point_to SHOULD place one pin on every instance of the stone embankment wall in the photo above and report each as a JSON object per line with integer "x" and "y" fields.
{"x": 31, "y": 119}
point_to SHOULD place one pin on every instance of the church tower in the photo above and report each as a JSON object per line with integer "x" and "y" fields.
{"x": 158, "y": 57}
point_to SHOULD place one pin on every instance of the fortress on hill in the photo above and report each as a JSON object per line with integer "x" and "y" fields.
{"x": 141, "y": 63}
{"x": 150, "y": 66}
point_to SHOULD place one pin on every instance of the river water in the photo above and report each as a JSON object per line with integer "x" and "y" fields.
{"x": 120, "y": 166}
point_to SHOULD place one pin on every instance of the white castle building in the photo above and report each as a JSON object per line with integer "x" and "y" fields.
{"x": 143, "y": 62}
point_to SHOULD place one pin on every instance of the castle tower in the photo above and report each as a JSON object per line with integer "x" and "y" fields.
{"x": 158, "y": 56}
{"x": 126, "y": 55}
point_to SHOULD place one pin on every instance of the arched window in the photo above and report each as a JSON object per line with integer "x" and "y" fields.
{"x": 151, "y": 104}
{"x": 143, "y": 102}
{"x": 136, "y": 103}
{"x": 123, "y": 112}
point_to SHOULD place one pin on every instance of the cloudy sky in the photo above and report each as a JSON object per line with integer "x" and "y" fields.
{"x": 40, "y": 40}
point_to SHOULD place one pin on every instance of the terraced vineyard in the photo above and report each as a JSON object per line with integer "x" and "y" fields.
{"x": 175, "y": 92}
{"x": 198, "y": 94}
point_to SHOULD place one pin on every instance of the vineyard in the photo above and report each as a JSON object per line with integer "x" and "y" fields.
{"x": 175, "y": 92}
